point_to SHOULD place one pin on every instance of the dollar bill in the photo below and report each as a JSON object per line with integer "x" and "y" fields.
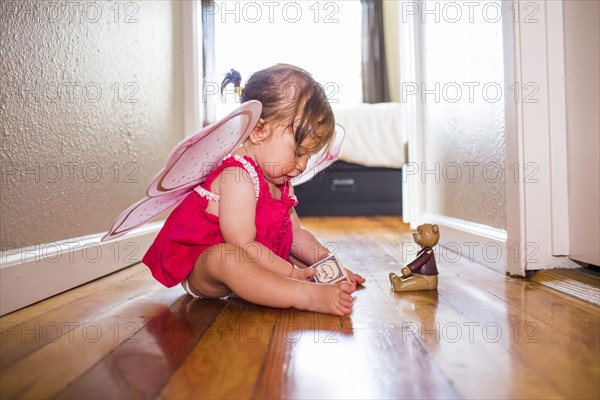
{"x": 330, "y": 270}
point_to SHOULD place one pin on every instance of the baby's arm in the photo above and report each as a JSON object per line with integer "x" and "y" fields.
{"x": 308, "y": 249}
{"x": 237, "y": 214}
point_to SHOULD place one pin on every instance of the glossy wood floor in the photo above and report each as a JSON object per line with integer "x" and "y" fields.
{"x": 480, "y": 335}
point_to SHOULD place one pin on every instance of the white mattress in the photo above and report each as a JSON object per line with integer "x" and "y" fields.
{"x": 374, "y": 136}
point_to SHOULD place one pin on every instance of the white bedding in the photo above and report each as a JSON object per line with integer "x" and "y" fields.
{"x": 374, "y": 136}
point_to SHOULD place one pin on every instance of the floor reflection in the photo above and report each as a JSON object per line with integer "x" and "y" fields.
{"x": 146, "y": 360}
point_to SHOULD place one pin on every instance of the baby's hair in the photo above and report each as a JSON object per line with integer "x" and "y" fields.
{"x": 233, "y": 77}
{"x": 289, "y": 95}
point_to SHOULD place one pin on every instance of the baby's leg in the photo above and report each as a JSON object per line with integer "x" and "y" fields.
{"x": 226, "y": 267}
{"x": 256, "y": 251}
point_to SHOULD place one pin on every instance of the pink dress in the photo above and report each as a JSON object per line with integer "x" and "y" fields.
{"x": 190, "y": 229}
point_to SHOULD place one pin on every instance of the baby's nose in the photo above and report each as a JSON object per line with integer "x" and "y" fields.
{"x": 301, "y": 164}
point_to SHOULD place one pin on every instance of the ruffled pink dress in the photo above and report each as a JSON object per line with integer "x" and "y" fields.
{"x": 190, "y": 229}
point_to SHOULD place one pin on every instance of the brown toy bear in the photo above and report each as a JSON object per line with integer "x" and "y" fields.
{"x": 421, "y": 273}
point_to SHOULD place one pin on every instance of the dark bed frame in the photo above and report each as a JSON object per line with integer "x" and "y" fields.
{"x": 351, "y": 190}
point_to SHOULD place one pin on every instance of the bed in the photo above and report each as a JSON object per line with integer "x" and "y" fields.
{"x": 367, "y": 178}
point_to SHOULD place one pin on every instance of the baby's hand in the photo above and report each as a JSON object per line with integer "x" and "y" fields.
{"x": 355, "y": 278}
{"x": 303, "y": 274}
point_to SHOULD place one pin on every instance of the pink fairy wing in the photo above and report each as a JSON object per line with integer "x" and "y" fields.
{"x": 195, "y": 157}
{"x": 187, "y": 166}
{"x": 142, "y": 212}
{"x": 323, "y": 159}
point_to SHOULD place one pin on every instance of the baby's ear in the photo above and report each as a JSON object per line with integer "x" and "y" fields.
{"x": 256, "y": 134}
{"x": 260, "y": 132}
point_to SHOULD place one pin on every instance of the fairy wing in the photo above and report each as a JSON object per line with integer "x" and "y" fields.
{"x": 188, "y": 166}
{"x": 142, "y": 212}
{"x": 323, "y": 159}
{"x": 195, "y": 157}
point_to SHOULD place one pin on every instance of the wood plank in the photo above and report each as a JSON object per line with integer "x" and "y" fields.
{"x": 568, "y": 365}
{"x": 479, "y": 367}
{"x": 563, "y": 357}
{"x": 421, "y": 311}
{"x": 315, "y": 356}
{"x": 425, "y": 311}
{"x": 49, "y": 369}
{"x": 366, "y": 357}
{"x": 225, "y": 364}
{"x": 275, "y": 380}
{"x": 143, "y": 363}
{"x": 393, "y": 345}
{"x": 553, "y": 308}
{"x": 20, "y": 340}
{"x": 42, "y": 307}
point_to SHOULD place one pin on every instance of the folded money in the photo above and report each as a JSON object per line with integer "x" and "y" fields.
{"x": 330, "y": 270}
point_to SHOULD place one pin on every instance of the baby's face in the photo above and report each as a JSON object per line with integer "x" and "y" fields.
{"x": 280, "y": 159}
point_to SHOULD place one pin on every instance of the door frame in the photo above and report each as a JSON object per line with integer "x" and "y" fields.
{"x": 191, "y": 36}
{"x": 537, "y": 231}
{"x": 413, "y": 190}
{"x": 537, "y": 203}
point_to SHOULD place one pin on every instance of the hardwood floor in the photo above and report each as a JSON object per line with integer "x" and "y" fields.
{"x": 480, "y": 335}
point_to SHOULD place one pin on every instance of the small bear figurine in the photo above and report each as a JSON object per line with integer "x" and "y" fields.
{"x": 422, "y": 272}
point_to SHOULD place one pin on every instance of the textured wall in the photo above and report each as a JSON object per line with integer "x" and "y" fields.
{"x": 91, "y": 105}
{"x": 464, "y": 124}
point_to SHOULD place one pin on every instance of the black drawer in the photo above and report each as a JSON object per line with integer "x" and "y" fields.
{"x": 350, "y": 189}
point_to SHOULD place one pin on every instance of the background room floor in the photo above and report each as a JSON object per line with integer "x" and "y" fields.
{"x": 480, "y": 335}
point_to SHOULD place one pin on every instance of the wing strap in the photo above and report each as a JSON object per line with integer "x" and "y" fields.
{"x": 210, "y": 196}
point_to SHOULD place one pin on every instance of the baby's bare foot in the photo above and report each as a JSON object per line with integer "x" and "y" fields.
{"x": 303, "y": 274}
{"x": 356, "y": 278}
{"x": 324, "y": 298}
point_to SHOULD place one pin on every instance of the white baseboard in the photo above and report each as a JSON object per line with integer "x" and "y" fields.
{"x": 31, "y": 274}
{"x": 466, "y": 241}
